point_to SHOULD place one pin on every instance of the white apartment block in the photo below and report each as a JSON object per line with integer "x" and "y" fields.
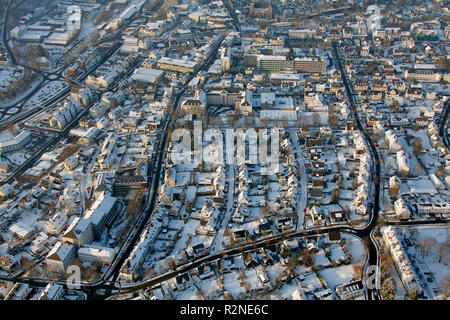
{"x": 401, "y": 260}
{"x": 96, "y": 254}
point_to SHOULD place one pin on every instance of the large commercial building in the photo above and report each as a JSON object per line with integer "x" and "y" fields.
{"x": 275, "y": 107}
{"x": 272, "y": 63}
{"x": 146, "y": 75}
{"x": 423, "y": 74}
{"x": 178, "y": 65}
{"x": 278, "y": 63}
{"x": 302, "y": 34}
{"x": 277, "y": 79}
{"x": 124, "y": 184}
{"x": 310, "y": 64}
{"x": 223, "y": 97}
{"x": 9, "y": 144}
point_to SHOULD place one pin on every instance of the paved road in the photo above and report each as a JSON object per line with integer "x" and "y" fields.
{"x": 366, "y": 135}
{"x": 4, "y": 33}
{"x": 217, "y": 245}
{"x": 303, "y": 194}
{"x": 153, "y": 200}
{"x": 365, "y": 233}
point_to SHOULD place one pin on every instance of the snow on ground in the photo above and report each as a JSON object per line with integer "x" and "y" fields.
{"x": 355, "y": 246}
{"x": 287, "y": 290}
{"x": 440, "y": 270}
{"x": 422, "y": 134}
{"x": 188, "y": 294}
{"x": 207, "y": 241}
{"x": 232, "y": 284}
{"x": 16, "y": 158}
{"x": 338, "y": 275}
{"x": 400, "y": 292}
{"x": 47, "y": 92}
{"x": 209, "y": 287}
{"x": 252, "y": 279}
{"x": 188, "y": 230}
{"x": 5, "y": 78}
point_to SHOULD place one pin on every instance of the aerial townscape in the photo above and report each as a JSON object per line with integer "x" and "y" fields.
{"x": 224, "y": 150}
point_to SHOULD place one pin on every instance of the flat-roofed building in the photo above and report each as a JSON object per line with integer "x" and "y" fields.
{"x": 277, "y": 79}
{"x": 309, "y": 64}
{"x": 147, "y": 75}
{"x": 96, "y": 254}
{"x": 277, "y": 108}
{"x": 10, "y": 144}
{"x": 124, "y": 184}
{"x": 350, "y": 290}
{"x": 102, "y": 213}
{"x": 178, "y": 65}
{"x": 302, "y": 34}
{"x": 272, "y": 63}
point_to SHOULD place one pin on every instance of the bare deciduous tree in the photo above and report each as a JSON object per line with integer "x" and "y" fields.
{"x": 417, "y": 145}
{"x": 443, "y": 251}
{"x": 426, "y": 245}
{"x": 170, "y": 263}
{"x": 445, "y": 287}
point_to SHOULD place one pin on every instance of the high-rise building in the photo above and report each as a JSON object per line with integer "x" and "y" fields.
{"x": 309, "y": 64}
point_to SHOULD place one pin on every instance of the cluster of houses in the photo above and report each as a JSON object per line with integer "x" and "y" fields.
{"x": 253, "y": 273}
{"x": 339, "y": 178}
{"x": 400, "y": 82}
